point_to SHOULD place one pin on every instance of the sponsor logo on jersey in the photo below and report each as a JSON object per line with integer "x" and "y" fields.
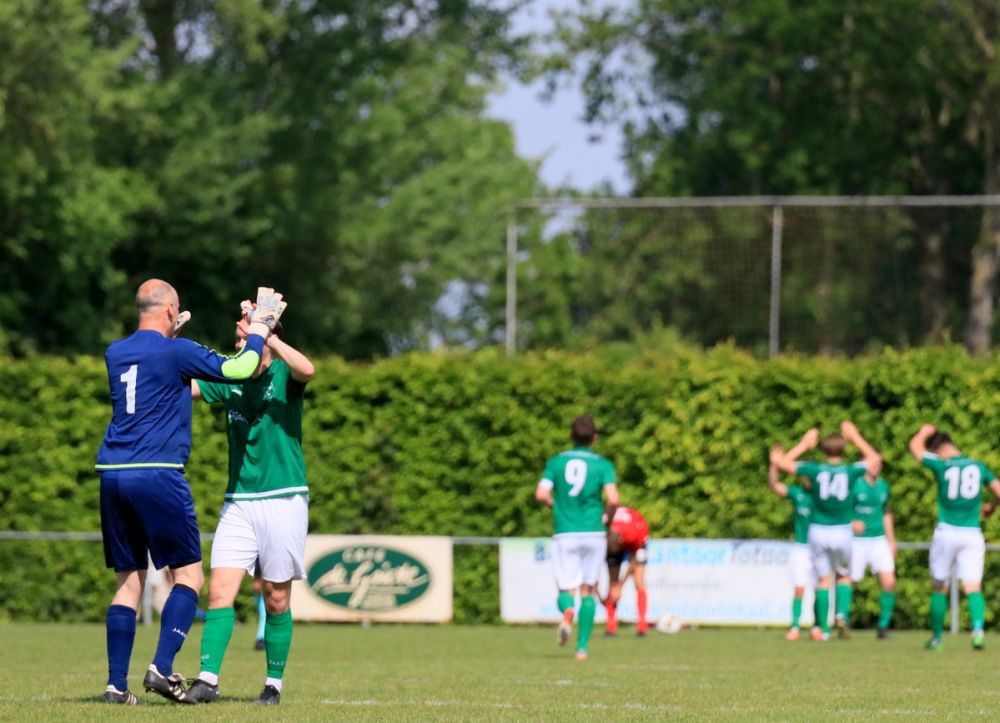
{"x": 369, "y": 578}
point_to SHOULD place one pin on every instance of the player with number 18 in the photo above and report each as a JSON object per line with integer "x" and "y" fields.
{"x": 958, "y": 539}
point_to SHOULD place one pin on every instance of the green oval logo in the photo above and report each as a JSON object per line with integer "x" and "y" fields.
{"x": 369, "y": 578}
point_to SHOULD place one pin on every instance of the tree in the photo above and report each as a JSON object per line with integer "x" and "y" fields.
{"x": 780, "y": 98}
{"x": 62, "y": 211}
{"x": 336, "y": 150}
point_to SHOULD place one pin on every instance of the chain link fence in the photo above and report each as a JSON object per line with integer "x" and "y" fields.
{"x": 787, "y": 273}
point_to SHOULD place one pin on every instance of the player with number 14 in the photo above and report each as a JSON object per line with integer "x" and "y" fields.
{"x": 830, "y": 484}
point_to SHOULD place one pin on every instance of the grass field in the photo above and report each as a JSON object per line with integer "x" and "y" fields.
{"x": 56, "y": 672}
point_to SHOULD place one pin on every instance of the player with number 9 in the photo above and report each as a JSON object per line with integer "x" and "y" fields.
{"x": 958, "y": 538}
{"x": 572, "y": 484}
{"x": 830, "y": 484}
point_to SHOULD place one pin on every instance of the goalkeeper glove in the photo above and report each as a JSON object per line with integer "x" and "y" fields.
{"x": 267, "y": 312}
{"x": 182, "y": 318}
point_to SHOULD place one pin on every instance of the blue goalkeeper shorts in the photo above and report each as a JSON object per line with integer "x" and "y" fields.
{"x": 148, "y": 511}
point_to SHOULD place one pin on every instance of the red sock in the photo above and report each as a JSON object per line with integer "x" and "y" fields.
{"x": 611, "y": 626}
{"x": 568, "y": 616}
{"x": 642, "y": 624}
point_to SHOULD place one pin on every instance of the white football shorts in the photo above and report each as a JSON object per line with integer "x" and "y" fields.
{"x": 578, "y": 558}
{"x": 961, "y": 547}
{"x": 802, "y": 567}
{"x": 830, "y": 549}
{"x": 871, "y": 552}
{"x": 272, "y": 531}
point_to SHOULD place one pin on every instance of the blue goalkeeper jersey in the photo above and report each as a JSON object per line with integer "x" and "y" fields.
{"x": 150, "y": 380}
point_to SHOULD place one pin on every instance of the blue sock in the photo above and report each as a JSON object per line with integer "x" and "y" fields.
{"x": 120, "y": 623}
{"x": 175, "y": 621}
{"x": 261, "y": 616}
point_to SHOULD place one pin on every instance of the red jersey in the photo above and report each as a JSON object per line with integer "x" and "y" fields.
{"x": 631, "y": 526}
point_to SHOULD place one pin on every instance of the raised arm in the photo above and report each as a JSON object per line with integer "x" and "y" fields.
{"x": 786, "y": 461}
{"x": 918, "y": 444}
{"x": 298, "y": 363}
{"x": 777, "y": 486}
{"x": 198, "y": 362}
{"x": 871, "y": 456}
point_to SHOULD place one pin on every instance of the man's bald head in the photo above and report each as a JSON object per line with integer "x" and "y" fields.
{"x": 153, "y": 294}
{"x": 158, "y": 305}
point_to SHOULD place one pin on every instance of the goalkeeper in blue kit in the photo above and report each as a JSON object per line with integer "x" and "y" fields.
{"x": 146, "y": 504}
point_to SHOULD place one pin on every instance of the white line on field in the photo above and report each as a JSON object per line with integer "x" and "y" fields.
{"x": 499, "y": 705}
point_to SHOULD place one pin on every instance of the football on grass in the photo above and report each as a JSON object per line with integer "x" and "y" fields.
{"x": 669, "y": 623}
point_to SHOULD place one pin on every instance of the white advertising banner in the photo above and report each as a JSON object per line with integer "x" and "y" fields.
{"x": 720, "y": 582}
{"x": 375, "y": 577}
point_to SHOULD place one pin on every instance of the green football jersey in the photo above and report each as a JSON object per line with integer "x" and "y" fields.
{"x": 801, "y": 511}
{"x": 831, "y": 487}
{"x": 870, "y": 504}
{"x": 577, "y": 478}
{"x": 264, "y": 425}
{"x": 960, "y": 488}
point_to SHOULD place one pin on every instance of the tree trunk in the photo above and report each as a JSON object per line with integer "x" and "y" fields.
{"x": 161, "y": 18}
{"x": 984, "y": 272}
{"x": 978, "y": 335}
{"x": 933, "y": 314}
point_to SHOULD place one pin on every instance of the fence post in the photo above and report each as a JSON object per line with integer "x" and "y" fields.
{"x": 510, "y": 326}
{"x": 954, "y": 602}
{"x": 777, "y": 221}
{"x": 147, "y": 597}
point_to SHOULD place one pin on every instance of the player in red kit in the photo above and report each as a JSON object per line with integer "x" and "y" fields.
{"x": 627, "y": 538}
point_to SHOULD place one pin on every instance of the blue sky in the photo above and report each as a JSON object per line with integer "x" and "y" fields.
{"x": 570, "y": 152}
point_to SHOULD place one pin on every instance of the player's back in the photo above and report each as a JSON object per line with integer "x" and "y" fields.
{"x": 831, "y": 490}
{"x": 578, "y": 478}
{"x": 630, "y": 525}
{"x": 960, "y": 488}
{"x": 151, "y": 404}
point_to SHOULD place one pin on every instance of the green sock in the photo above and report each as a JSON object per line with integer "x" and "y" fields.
{"x": 844, "y": 595}
{"x": 939, "y": 607}
{"x": 796, "y": 611}
{"x": 564, "y": 601}
{"x": 823, "y": 609}
{"x": 277, "y": 641}
{"x": 977, "y": 610}
{"x": 886, "y": 603}
{"x": 587, "y": 607}
{"x": 215, "y": 637}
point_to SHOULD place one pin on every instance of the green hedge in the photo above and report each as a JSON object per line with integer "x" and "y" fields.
{"x": 453, "y": 443}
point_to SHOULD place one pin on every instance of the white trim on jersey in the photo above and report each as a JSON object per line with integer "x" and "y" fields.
{"x": 283, "y": 492}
